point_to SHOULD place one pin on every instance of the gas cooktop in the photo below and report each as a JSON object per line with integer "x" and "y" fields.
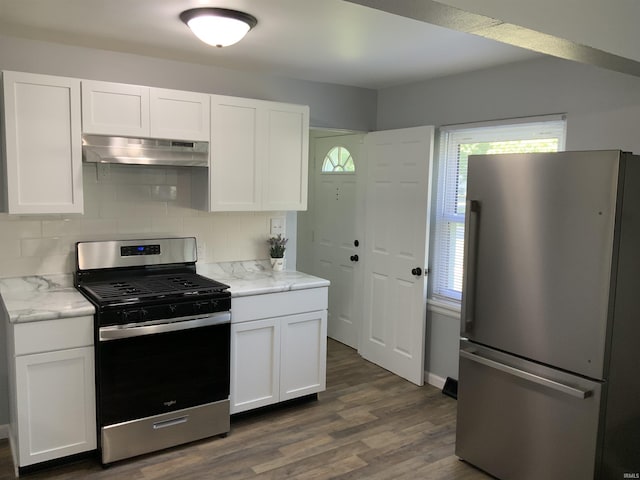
{"x": 151, "y": 287}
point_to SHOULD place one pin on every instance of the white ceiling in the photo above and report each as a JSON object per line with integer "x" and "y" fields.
{"x": 320, "y": 40}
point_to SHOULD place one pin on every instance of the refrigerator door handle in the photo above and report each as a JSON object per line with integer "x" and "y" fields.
{"x": 472, "y": 223}
{"x": 545, "y": 382}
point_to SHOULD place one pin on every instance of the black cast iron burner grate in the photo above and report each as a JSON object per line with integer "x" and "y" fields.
{"x": 152, "y": 285}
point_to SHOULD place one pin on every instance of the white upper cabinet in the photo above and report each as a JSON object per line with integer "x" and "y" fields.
{"x": 115, "y": 109}
{"x": 137, "y": 111}
{"x": 259, "y": 155}
{"x": 235, "y": 173}
{"x": 179, "y": 115}
{"x": 284, "y": 179}
{"x": 259, "y": 149}
{"x": 42, "y": 146}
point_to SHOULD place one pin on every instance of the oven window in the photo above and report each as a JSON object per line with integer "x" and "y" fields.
{"x": 153, "y": 374}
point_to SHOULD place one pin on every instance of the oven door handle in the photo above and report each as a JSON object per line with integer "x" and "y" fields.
{"x": 117, "y": 332}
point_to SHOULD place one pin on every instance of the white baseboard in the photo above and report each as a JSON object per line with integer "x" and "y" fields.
{"x": 4, "y": 431}
{"x": 434, "y": 380}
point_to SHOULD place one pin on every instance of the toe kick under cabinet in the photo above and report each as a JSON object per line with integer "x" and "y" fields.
{"x": 278, "y": 347}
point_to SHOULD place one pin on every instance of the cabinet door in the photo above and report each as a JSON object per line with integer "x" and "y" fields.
{"x": 55, "y": 404}
{"x": 115, "y": 109}
{"x": 287, "y": 157}
{"x": 255, "y": 364}
{"x": 303, "y": 354}
{"x": 179, "y": 115}
{"x": 43, "y": 148}
{"x": 236, "y": 182}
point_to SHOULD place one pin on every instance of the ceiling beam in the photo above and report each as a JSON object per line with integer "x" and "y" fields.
{"x": 436, "y": 13}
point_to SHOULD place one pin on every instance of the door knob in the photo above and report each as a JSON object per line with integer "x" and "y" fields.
{"x": 417, "y": 272}
{"x": 354, "y": 258}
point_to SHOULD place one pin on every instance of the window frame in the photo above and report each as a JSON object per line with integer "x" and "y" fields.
{"x": 326, "y": 158}
{"x": 446, "y": 219}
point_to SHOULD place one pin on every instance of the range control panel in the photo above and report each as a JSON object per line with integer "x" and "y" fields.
{"x": 132, "y": 250}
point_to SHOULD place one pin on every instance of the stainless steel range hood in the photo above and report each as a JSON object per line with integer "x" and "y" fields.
{"x": 144, "y": 151}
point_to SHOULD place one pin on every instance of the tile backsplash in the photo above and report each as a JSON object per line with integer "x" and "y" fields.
{"x": 128, "y": 201}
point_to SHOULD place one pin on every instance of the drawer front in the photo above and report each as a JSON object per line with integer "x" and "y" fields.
{"x": 520, "y": 421}
{"x": 51, "y": 335}
{"x": 269, "y": 305}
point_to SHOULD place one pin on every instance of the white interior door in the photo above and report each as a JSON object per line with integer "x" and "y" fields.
{"x": 398, "y": 189}
{"x": 338, "y": 232}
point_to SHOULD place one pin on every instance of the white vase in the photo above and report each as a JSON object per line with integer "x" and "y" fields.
{"x": 277, "y": 264}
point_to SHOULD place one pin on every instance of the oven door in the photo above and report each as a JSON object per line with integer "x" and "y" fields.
{"x": 147, "y": 370}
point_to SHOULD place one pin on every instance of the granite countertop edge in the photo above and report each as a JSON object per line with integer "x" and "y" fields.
{"x": 50, "y": 297}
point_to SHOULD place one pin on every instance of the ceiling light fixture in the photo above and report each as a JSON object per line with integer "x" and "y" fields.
{"x": 219, "y": 27}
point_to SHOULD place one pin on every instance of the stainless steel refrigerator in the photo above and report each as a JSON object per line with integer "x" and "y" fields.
{"x": 549, "y": 379}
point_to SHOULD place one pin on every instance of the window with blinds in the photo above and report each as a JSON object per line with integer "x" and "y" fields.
{"x": 542, "y": 134}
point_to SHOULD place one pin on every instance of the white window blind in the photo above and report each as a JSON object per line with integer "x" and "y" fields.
{"x": 542, "y": 134}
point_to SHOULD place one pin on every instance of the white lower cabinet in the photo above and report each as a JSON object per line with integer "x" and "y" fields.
{"x": 303, "y": 354}
{"x": 255, "y": 364}
{"x": 52, "y": 393}
{"x": 281, "y": 357}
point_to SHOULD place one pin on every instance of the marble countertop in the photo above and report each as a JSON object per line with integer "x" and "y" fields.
{"x": 256, "y": 278}
{"x": 36, "y": 298}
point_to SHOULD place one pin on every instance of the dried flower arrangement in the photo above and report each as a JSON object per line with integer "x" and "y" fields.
{"x": 277, "y": 246}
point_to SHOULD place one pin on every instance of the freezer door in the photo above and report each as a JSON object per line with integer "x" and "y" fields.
{"x": 522, "y": 421}
{"x": 540, "y": 235}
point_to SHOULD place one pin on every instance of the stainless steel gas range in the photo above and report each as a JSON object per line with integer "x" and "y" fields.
{"x": 162, "y": 344}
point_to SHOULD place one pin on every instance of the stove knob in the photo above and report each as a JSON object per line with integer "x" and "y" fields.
{"x": 143, "y": 314}
{"x": 173, "y": 308}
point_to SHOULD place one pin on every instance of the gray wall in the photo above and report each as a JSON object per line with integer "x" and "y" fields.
{"x": 603, "y": 112}
{"x": 602, "y": 107}
{"x": 331, "y": 105}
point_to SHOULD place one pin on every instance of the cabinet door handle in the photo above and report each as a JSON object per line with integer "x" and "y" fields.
{"x": 354, "y": 258}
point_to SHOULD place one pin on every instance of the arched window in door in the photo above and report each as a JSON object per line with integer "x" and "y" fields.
{"x": 338, "y": 160}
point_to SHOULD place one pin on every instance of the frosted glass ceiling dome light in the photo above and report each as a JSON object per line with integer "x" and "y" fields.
{"x": 219, "y": 27}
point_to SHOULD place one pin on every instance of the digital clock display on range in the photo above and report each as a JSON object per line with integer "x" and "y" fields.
{"x": 132, "y": 250}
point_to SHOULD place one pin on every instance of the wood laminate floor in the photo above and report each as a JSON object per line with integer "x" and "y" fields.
{"x": 368, "y": 424}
